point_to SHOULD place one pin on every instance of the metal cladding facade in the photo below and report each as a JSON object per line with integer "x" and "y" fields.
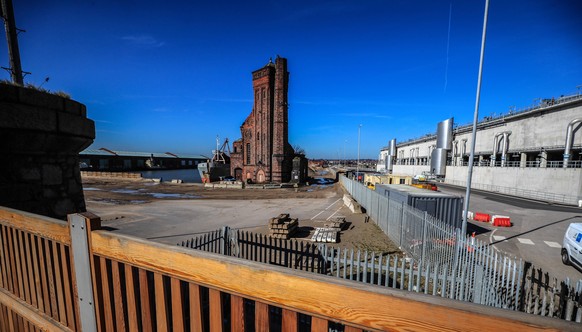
{"x": 445, "y": 207}
{"x": 445, "y": 134}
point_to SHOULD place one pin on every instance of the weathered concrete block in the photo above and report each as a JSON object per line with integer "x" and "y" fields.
{"x": 72, "y": 107}
{"x": 64, "y": 206}
{"x": 76, "y": 125}
{"x": 38, "y": 98}
{"x": 30, "y": 174}
{"x": 51, "y": 175}
{"x": 8, "y": 92}
{"x": 26, "y": 117}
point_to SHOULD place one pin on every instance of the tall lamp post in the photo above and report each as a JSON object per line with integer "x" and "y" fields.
{"x": 475, "y": 119}
{"x": 345, "y": 142}
{"x": 358, "y": 163}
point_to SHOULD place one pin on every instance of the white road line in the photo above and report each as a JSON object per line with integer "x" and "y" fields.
{"x": 499, "y": 238}
{"x": 525, "y": 241}
{"x": 315, "y": 216}
{"x": 553, "y": 244}
{"x": 491, "y": 239}
{"x": 333, "y": 214}
{"x": 327, "y": 208}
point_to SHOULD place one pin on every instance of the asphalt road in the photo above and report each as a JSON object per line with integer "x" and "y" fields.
{"x": 536, "y": 234}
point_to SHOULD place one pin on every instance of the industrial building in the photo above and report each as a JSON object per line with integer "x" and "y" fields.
{"x": 104, "y": 159}
{"x": 534, "y": 152}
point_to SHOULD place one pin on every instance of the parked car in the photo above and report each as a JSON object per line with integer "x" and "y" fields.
{"x": 572, "y": 246}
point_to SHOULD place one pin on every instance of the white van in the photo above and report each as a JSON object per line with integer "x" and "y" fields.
{"x": 572, "y": 246}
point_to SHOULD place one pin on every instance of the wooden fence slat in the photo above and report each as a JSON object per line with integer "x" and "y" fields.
{"x": 144, "y": 294}
{"x": 68, "y": 296}
{"x": 351, "y": 329}
{"x": 177, "y": 312}
{"x": 160, "y": 300}
{"x": 289, "y": 320}
{"x": 43, "y": 276}
{"x": 107, "y": 305}
{"x": 318, "y": 325}
{"x": 215, "y": 311}
{"x": 237, "y": 319}
{"x": 15, "y": 289}
{"x": 23, "y": 266}
{"x": 37, "y": 279}
{"x": 59, "y": 286}
{"x": 117, "y": 296}
{"x": 261, "y": 316}
{"x": 51, "y": 280}
{"x": 3, "y": 254}
{"x": 31, "y": 281}
{"x": 130, "y": 287}
{"x": 195, "y": 308}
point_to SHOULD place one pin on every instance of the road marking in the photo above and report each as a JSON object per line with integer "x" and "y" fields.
{"x": 491, "y": 236}
{"x": 553, "y": 244}
{"x": 499, "y": 238}
{"x": 525, "y": 241}
{"x": 333, "y": 214}
{"x": 327, "y": 208}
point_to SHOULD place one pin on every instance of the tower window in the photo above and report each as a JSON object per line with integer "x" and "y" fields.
{"x": 248, "y": 153}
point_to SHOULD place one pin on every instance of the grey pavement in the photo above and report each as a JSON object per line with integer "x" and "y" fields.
{"x": 537, "y": 232}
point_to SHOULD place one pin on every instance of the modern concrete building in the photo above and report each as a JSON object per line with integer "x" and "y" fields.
{"x": 534, "y": 152}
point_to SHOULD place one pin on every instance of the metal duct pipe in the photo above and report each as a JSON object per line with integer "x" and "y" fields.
{"x": 504, "y": 147}
{"x": 438, "y": 162}
{"x": 463, "y": 147}
{"x": 569, "y": 139}
{"x": 495, "y": 143}
{"x": 445, "y": 134}
{"x": 392, "y": 149}
{"x": 389, "y": 164}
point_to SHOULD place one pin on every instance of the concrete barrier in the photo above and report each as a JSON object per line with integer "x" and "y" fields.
{"x": 125, "y": 175}
{"x": 224, "y": 185}
{"x": 354, "y": 206}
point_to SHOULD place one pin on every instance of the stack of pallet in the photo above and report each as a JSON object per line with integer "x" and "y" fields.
{"x": 329, "y": 232}
{"x": 337, "y": 222}
{"x": 283, "y": 227}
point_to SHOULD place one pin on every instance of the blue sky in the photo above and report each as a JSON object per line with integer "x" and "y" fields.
{"x": 170, "y": 76}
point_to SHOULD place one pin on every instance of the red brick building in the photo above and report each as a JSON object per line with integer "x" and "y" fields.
{"x": 264, "y": 154}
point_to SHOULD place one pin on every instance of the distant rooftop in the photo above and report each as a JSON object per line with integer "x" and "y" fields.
{"x": 108, "y": 152}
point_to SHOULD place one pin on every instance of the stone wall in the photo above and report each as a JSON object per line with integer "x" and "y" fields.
{"x": 41, "y": 135}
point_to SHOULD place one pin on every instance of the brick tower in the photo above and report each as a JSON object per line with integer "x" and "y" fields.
{"x": 263, "y": 154}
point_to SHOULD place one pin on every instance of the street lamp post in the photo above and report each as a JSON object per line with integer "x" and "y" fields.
{"x": 345, "y": 142}
{"x": 358, "y": 163}
{"x": 475, "y": 118}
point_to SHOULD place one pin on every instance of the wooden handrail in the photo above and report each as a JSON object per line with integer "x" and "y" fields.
{"x": 356, "y": 304}
{"x": 49, "y": 228}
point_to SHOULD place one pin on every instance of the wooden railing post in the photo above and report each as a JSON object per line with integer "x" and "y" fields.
{"x": 80, "y": 226}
